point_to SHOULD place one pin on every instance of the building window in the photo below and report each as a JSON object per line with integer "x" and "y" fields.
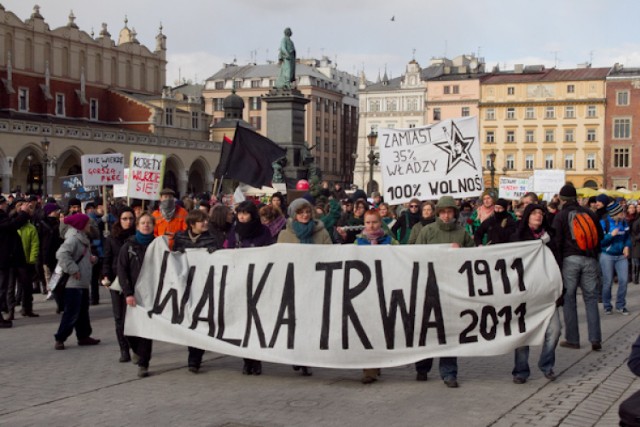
{"x": 255, "y": 83}
{"x": 255, "y": 103}
{"x": 256, "y": 122}
{"x": 570, "y": 112}
{"x": 511, "y": 136}
{"x": 568, "y": 135}
{"x": 591, "y": 135}
{"x": 436, "y": 114}
{"x": 548, "y": 161}
{"x": 412, "y": 125}
{"x": 591, "y": 161}
{"x": 528, "y": 161}
{"x": 447, "y": 90}
{"x": 550, "y": 113}
{"x": 326, "y": 105}
{"x": 317, "y": 122}
{"x": 195, "y": 120}
{"x": 465, "y": 111}
{"x": 568, "y": 162}
{"x": 93, "y": 109}
{"x": 621, "y": 128}
{"x": 23, "y": 99}
{"x": 456, "y": 89}
{"x": 549, "y": 135}
{"x": 412, "y": 104}
{"x": 511, "y": 113}
{"x": 168, "y": 116}
{"x": 374, "y": 105}
{"x": 237, "y": 84}
{"x": 530, "y": 113}
{"x": 392, "y": 104}
{"x": 491, "y": 137}
{"x": 219, "y": 85}
{"x": 326, "y": 125}
{"x": 571, "y": 89}
{"x": 591, "y": 111}
{"x": 218, "y": 104}
{"x": 510, "y": 162}
{"x": 622, "y": 97}
{"x": 487, "y": 161}
{"x": 511, "y": 90}
{"x": 60, "y": 104}
{"x": 621, "y": 157}
{"x": 529, "y": 136}
{"x": 490, "y": 114}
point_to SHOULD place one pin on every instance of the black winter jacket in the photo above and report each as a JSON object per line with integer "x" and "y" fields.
{"x": 564, "y": 243}
{"x": 11, "y": 252}
{"x": 206, "y": 240}
{"x": 130, "y": 261}
{"x": 112, "y": 246}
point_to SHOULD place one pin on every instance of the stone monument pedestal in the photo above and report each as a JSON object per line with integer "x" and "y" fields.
{"x": 285, "y": 127}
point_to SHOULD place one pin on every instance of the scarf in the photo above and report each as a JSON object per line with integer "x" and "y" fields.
{"x": 144, "y": 239}
{"x": 304, "y": 232}
{"x": 194, "y": 237}
{"x": 248, "y": 229}
{"x": 427, "y": 221}
{"x": 484, "y": 212}
{"x": 168, "y": 209}
{"x": 276, "y": 225}
{"x": 374, "y": 236}
{"x": 537, "y": 233}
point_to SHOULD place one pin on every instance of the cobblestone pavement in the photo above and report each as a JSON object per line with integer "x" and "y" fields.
{"x": 87, "y": 386}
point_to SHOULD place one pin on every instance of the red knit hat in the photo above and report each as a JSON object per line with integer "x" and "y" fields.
{"x": 78, "y": 221}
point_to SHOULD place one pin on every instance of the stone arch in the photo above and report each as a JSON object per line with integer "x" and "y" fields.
{"x": 199, "y": 179}
{"x": 68, "y": 163}
{"x": 591, "y": 183}
{"x": 28, "y": 170}
{"x": 173, "y": 174}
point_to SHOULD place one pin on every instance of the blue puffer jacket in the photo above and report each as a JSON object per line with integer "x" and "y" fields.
{"x": 614, "y": 245}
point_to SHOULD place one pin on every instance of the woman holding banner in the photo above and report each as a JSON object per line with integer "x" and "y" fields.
{"x": 248, "y": 232}
{"x": 302, "y": 228}
{"x": 129, "y": 265}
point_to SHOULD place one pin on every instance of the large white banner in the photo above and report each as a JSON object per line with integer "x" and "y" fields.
{"x": 431, "y": 161}
{"x": 102, "y": 169}
{"x": 350, "y": 306}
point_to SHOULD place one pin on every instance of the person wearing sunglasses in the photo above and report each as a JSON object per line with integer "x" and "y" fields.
{"x": 410, "y": 217}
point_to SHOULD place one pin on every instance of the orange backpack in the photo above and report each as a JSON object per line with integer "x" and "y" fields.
{"x": 583, "y": 230}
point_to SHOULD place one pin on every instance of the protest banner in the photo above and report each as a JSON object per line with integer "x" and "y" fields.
{"x": 71, "y": 186}
{"x": 146, "y": 174}
{"x": 102, "y": 169}
{"x": 548, "y": 180}
{"x": 513, "y": 188}
{"x": 350, "y": 307}
{"x": 120, "y": 190}
{"x": 431, "y": 161}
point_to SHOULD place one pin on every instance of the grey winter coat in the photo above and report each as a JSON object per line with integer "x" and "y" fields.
{"x": 75, "y": 245}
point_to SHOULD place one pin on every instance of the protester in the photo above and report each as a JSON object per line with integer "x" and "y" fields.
{"x": 130, "y": 260}
{"x": 49, "y": 234}
{"x": 120, "y": 232}
{"x": 387, "y": 214}
{"x": 277, "y": 200}
{"x": 427, "y": 216}
{"x": 220, "y": 222}
{"x": 25, "y": 273}
{"x": 579, "y": 269}
{"x": 373, "y": 234}
{"x": 248, "y": 232}
{"x": 303, "y": 229}
{"x": 169, "y": 218}
{"x": 534, "y": 226}
{"x": 498, "y": 228}
{"x": 482, "y": 213}
{"x": 405, "y": 221}
{"x": 354, "y": 222}
{"x": 272, "y": 217}
{"x": 445, "y": 230}
{"x": 75, "y": 259}
{"x": 602, "y": 200}
{"x": 616, "y": 248}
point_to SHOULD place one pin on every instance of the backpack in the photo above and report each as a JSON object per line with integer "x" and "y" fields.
{"x": 583, "y": 230}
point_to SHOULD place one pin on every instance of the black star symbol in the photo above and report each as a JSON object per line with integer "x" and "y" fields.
{"x": 457, "y": 147}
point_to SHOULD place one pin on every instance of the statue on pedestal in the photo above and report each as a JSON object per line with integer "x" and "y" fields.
{"x": 287, "y": 60}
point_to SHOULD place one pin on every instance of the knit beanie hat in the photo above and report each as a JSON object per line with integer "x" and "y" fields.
{"x": 296, "y": 205}
{"x": 614, "y": 209}
{"x": 504, "y": 203}
{"x": 50, "y": 207}
{"x": 488, "y": 192}
{"x": 602, "y": 198}
{"x": 568, "y": 192}
{"x": 78, "y": 221}
{"x": 74, "y": 202}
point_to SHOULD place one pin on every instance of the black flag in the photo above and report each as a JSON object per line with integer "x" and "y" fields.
{"x": 248, "y": 158}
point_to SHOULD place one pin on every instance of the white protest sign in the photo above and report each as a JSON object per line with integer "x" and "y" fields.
{"x": 102, "y": 169}
{"x": 120, "y": 190}
{"x": 514, "y": 188}
{"x": 431, "y": 161}
{"x": 350, "y": 307}
{"x": 548, "y": 180}
{"x": 146, "y": 172}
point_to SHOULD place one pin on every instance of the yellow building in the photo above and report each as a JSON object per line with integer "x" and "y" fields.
{"x": 537, "y": 118}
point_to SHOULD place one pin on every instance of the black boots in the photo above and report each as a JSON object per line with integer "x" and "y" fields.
{"x": 252, "y": 367}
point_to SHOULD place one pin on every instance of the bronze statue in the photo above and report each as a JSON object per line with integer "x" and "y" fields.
{"x": 287, "y": 60}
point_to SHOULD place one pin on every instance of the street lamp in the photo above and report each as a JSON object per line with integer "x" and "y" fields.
{"x": 45, "y": 146}
{"x": 373, "y": 158}
{"x": 492, "y": 170}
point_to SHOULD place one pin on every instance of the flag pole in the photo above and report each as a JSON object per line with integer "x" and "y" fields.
{"x": 229, "y": 157}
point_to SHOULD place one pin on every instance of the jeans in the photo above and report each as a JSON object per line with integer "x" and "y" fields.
{"x": 448, "y": 367}
{"x": 547, "y": 355}
{"x": 75, "y": 316}
{"x": 620, "y": 264}
{"x": 581, "y": 271}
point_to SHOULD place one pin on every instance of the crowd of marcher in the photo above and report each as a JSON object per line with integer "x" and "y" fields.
{"x": 40, "y": 241}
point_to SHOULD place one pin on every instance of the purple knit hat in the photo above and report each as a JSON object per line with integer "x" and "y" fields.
{"x": 78, "y": 221}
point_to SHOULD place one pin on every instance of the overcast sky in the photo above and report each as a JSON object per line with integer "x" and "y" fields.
{"x": 204, "y": 34}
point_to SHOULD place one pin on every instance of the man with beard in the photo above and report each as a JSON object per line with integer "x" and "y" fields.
{"x": 169, "y": 217}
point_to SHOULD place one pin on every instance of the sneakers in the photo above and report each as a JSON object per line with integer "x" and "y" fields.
{"x": 451, "y": 383}
{"x": 623, "y": 311}
{"x": 607, "y": 311}
{"x": 551, "y": 376}
{"x": 59, "y": 345}
{"x": 88, "y": 341}
{"x": 570, "y": 345}
{"x": 143, "y": 372}
{"x": 596, "y": 346}
{"x": 519, "y": 380}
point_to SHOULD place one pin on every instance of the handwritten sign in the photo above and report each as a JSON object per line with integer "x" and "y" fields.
{"x": 431, "y": 161}
{"x": 548, "y": 180}
{"x": 102, "y": 169}
{"x": 120, "y": 190}
{"x": 514, "y": 188}
{"x": 146, "y": 172}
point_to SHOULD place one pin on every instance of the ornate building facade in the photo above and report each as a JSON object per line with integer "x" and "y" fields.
{"x": 85, "y": 94}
